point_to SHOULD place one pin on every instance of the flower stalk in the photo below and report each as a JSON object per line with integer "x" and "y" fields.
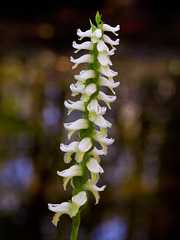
{"x": 92, "y": 126}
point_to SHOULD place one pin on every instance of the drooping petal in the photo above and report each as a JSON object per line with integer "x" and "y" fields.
{"x": 101, "y": 121}
{"x": 103, "y": 141}
{"x": 105, "y": 70}
{"x": 101, "y": 46}
{"x": 106, "y": 83}
{"x": 94, "y": 166}
{"x": 83, "y": 147}
{"x": 90, "y": 89}
{"x": 76, "y": 125}
{"x": 94, "y": 189}
{"x": 84, "y": 34}
{"x": 76, "y": 89}
{"x": 85, "y": 144}
{"x": 84, "y": 75}
{"x": 59, "y": 209}
{"x": 85, "y": 45}
{"x": 79, "y": 105}
{"x": 80, "y": 199}
{"x": 103, "y": 59}
{"x": 108, "y": 28}
{"x": 69, "y": 150}
{"x": 87, "y": 58}
{"x": 75, "y": 170}
{"x": 107, "y": 39}
{"x": 106, "y": 98}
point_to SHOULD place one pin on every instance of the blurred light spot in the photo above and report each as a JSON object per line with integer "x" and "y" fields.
{"x": 150, "y": 172}
{"x": 17, "y": 173}
{"x": 9, "y": 201}
{"x": 174, "y": 66}
{"x": 47, "y": 59}
{"x": 166, "y": 88}
{"x": 46, "y": 31}
{"x": 123, "y": 169}
{"x": 113, "y": 229}
{"x": 52, "y": 91}
{"x": 51, "y": 115}
{"x": 63, "y": 64}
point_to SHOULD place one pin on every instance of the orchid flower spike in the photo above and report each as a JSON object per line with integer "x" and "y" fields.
{"x": 92, "y": 125}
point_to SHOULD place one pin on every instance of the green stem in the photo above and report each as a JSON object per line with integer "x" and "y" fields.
{"x": 75, "y": 226}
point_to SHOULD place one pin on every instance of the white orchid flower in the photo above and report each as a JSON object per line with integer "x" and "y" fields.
{"x": 94, "y": 166}
{"x": 94, "y": 107}
{"x": 68, "y": 208}
{"x": 106, "y": 83}
{"x": 85, "y": 45}
{"x": 103, "y": 141}
{"x": 106, "y": 98}
{"x": 69, "y": 150}
{"x": 79, "y": 105}
{"x": 103, "y": 59}
{"x": 84, "y": 75}
{"x": 87, "y": 58}
{"x": 90, "y": 186}
{"x": 82, "y": 34}
{"x": 108, "y": 28}
{"x": 75, "y": 170}
{"x": 110, "y": 41}
{"x": 95, "y": 36}
{"x": 84, "y": 146}
{"x": 72, "y": 127}
{"x": 106, "y": 71}
{"x": 76, "y": 89}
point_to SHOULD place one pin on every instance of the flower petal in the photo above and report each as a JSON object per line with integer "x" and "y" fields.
{"x": 108, "y": 28}
{"x": 84, "y": 75}
{"x": 94, "y": 166}
{"x": 104, "y": 59}
{"x": 107, "y": 39}
{"x": 80, "y": 199}
{"x": 79, "y": 105}
{"x": 84, "y": 34}
{"x": 105, "y": 70}
{"x": 85, "y": 144}
{"x": 87, "y": 58}
{"x": 85, "y": 45}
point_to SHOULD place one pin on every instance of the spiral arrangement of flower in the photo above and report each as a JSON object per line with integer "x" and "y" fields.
{"x": 92, "y": 126}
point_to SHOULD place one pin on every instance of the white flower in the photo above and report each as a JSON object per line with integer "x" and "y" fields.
{"x": 90, "y": 89}
{"x": 84, "y": 75}
{"x": 79, "y": 105}
{"x": 102, "y": 123}
{"x": 74, "y": 126}
{"x": 106, "y": 98}
{"x": 103, "y": 59}
{"x": 76, "y": 89}
{"x": 87, "y": 58}
{"x": 96, "y": 35}
{"x": 94, "y": 107}
{"x": 101, "y": 46}
{"x": 84, "y": 146}
{"x": 69, "y": 150}
{"x": 85, "y": 45}
{"x": 73, "y": 171}
{"x": 106, "y": 83}
{"x": 68, "y": 208}
{"x": 108, "y": 28}
{"x": 91, "y": 186}
{"x": 81, "y": 34}
{"x": 110, "y": 41}
{"x": 94, "y": 166}
{"x": 103, "y": 141}
{"x": 106, "y": 71}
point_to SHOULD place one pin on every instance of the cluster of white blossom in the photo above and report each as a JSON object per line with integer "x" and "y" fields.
{"x": 92, "y": 126}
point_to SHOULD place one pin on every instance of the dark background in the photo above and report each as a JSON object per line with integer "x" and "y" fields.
{"x": 142, "y": 168}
